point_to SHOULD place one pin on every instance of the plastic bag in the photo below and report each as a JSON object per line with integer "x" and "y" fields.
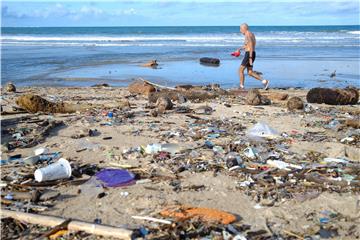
{"x": 262, "y": 130}
{"x": 92, "y": 187}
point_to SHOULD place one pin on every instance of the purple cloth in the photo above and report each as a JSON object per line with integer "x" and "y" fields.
{"x": 115, "y": 177}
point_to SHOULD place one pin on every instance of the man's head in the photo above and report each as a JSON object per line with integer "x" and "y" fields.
{"x": 244, "y": 28}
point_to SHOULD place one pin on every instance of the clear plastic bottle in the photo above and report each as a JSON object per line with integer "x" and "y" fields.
{"x": 233, "y": 159}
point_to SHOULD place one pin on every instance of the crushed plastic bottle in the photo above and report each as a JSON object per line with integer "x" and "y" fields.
{"x": 171, "y": 148}
{"x": 218, "y": 149}
{"x": 282, "y": 165}
{"x": 153, "y": 148}
{"x": 250, "y": 153}
{"x": 233, "y": 159}
{"x": 332, "y": 124}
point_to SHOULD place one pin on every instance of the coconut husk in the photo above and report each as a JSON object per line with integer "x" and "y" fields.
{"x": 295, "y": 103}
{"x": 34, "y": 103}
{"x": 254, "y": 98}
{"x": 141, "y": 87}
{"x": 355, "y": 123}
{"x": 10, "y": 87}
{"x": 163, "y": 104}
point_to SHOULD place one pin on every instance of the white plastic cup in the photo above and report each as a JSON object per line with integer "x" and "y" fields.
{"x": 59, "y": 170}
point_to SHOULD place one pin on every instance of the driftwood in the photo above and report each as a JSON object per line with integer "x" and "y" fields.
{"x": 317, "y": 178}
{"x": 275, "y": 96}
{"x": 209, "y": 61}
{"x": 157, "y": 85}
{"x": 347, "y": 96}
{"x": 176, "y": 95}
{"x": 42, "y": 196}
{"x": 151, "y": 63}
{"x": 97, "y": 229}
{"x": 14, "y": 205}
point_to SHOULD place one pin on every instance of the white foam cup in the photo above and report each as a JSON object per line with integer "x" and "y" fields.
{"x": 59, "y": 170}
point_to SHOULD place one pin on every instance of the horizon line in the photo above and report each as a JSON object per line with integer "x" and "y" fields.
{"x": 188, "y": 26}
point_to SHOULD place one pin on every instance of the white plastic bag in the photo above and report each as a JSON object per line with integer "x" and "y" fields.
{"x": 262, "y": 130}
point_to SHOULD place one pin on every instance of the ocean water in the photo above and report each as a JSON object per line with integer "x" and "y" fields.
{"x": 291, "y": 56}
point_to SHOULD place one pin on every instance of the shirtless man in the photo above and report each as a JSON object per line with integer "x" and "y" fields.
{"x": 249, "y": 58}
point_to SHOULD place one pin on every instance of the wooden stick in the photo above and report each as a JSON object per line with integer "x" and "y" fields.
{"x": 97, "y": 229}
{"x": 157, "y": 85}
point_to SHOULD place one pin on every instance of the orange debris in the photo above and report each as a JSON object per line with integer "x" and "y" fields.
{"x": 207, "y": 214}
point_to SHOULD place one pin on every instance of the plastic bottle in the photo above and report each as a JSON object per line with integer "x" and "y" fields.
{"x": 233, "y": 159}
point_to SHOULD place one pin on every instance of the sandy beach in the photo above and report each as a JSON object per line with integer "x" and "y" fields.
{"x": 180, "y": 120}
{"x": 278, "y": 203}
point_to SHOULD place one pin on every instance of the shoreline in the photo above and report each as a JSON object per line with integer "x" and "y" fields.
{"x": 192, "y": 72}
{"x": 98, "y": 82}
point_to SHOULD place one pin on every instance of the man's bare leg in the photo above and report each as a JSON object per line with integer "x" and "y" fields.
{"x": 242, "y": 76}
{"x": 251, "y": 73}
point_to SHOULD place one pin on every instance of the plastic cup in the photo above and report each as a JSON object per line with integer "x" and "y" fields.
{"x": 59, "y": 170}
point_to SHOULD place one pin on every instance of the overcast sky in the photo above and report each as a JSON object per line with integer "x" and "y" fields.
{"x": 178, "y": 13}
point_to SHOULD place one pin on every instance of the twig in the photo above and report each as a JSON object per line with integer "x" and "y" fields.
{"x": 61, "y": 226}
{"x": 152, "y": 219}
{"x": 293, "y": 234}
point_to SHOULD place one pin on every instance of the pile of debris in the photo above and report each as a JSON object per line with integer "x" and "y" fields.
{"x": 257, "y": 156}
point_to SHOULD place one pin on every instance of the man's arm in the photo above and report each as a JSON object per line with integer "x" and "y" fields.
{"x": 245, "y": 44}
{"x": 242, "y": 47}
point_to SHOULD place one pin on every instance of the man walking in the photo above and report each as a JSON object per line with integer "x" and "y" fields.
{"x": 249, "y": 58}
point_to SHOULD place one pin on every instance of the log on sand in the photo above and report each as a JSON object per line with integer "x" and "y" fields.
{"x": 333, "y": 96}
{"x": 97, "y": 229}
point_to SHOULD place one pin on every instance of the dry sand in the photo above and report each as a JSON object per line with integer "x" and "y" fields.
{"x": 220, "y": 191}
